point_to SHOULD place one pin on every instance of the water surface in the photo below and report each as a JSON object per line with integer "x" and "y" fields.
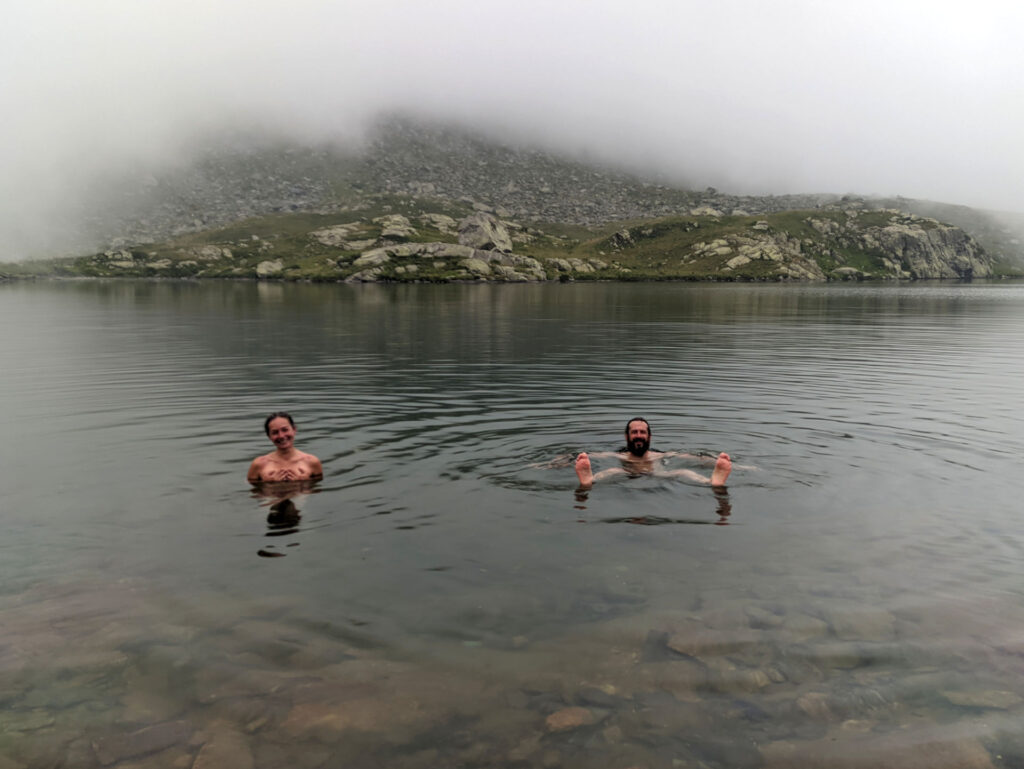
{"x": 446, "y": 597}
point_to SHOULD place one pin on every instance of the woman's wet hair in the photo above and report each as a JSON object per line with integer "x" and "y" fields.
{"x": 277, "y": 415}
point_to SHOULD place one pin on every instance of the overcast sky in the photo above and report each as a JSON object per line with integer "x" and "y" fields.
{"x": 919, "y": 98}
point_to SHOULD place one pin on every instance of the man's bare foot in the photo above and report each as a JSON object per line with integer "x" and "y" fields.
{"x": 723, "y": 466}
{"x": 583, "y": 471}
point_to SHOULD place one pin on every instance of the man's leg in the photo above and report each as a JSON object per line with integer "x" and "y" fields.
{"x": 586, "y": 474}
{"x": 723, "y": 466}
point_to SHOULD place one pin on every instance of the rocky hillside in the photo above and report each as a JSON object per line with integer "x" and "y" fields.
{"x": 396, "y": 239}
{"x": 403, "y": 206}
{"x": 242, "y": 178}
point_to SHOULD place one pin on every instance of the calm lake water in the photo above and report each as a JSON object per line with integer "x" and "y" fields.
{"x": 446, "y": 597}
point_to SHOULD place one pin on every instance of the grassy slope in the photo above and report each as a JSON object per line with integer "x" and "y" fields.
{"x": 663, "y": 249}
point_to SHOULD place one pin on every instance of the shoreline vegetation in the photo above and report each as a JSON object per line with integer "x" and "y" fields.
{"x": 406, "y": 239}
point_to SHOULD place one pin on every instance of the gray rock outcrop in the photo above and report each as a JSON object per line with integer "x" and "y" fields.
{"x": 482, "y": 230}
{"x": 898, "y": 246}
{"x": 936, "y": 252}
{"x": 336, "y": 235}
{"x": 907, "y": 246}
{"x": 395, "y": 226}
{"x": 269, "y": 268}
{"x": 497, "y": 265}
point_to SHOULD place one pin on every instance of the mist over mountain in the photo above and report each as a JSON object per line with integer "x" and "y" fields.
{"x": 236, "y": 176}
{"x": 113, "y": 109}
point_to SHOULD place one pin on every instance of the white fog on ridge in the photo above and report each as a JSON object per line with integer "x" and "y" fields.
{"x": 921, "y": 99}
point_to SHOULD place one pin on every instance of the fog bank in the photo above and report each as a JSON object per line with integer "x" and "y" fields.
{"x": 921, "y": 99}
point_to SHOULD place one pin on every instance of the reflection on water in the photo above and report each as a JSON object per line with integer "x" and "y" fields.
{"x": 283, "y": 517}
{"x": 854, "y": 599}
{"x": 722, "y": 511}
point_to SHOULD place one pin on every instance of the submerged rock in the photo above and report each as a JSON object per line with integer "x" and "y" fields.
{"x": 225, "y": 749}
{"x": 569, "y": 718}
{"x": 992, "y": 699}
{"x": 907, "y": 750}
{"x": 116, "y": 748}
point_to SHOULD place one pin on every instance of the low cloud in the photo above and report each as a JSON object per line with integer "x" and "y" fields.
{"x": 921, "y": 99}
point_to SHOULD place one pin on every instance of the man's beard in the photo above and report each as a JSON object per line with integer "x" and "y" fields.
{"x": 638, "y": 447}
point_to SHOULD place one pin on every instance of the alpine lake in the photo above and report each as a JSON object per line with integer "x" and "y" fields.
{"x": 447, "y": 596}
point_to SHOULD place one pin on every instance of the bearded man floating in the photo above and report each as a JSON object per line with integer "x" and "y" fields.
{"x": 638, "y": 458}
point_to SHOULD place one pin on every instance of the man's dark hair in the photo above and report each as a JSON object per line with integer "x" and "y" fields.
{"x": 277, "y": 415}
{"x": 638, "y": 419}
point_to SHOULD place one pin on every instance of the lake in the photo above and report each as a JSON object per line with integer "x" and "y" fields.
{"x": 447, "y": 596}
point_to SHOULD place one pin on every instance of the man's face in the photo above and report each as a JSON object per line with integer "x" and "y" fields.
{"x": 281, "y": 432}
{"x": 638, "y": 438}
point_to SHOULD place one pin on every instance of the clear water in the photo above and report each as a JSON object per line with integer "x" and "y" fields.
{"x": 446, "y": 596}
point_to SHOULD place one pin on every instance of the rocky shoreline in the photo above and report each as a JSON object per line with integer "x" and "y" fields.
{"x": 374, "y": 242}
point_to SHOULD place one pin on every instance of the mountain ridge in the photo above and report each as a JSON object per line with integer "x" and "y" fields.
{"x": 416, "y": 168}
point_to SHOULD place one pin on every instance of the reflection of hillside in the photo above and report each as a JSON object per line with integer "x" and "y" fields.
{"x": 384, "y": 326}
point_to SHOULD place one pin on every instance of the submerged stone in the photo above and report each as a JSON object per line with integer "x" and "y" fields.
{"x": 993, "y": 699}
{"x": 569, "y": 718}
{"x": 226, "y": 749}
{"x": 119, "y": 747}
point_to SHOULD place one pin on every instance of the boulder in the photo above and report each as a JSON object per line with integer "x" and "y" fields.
{"x": 374, "y": 258}
{"x": 439, "y": 222}
{"x": 569, "y": 718}
{"x": 333, "y": 236}
{"x": 365, "y": 276}
{"x": 395, "y": 226}
{"x": 357, "y": 245}
{"x": 705, "y": 211}
{"x": 210, "y": 253}
{"x": 476, "y": 266}
{"x": 452, "y": 251}
{"x": 481, "y": 230}
{"x": 269, "y": 269}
